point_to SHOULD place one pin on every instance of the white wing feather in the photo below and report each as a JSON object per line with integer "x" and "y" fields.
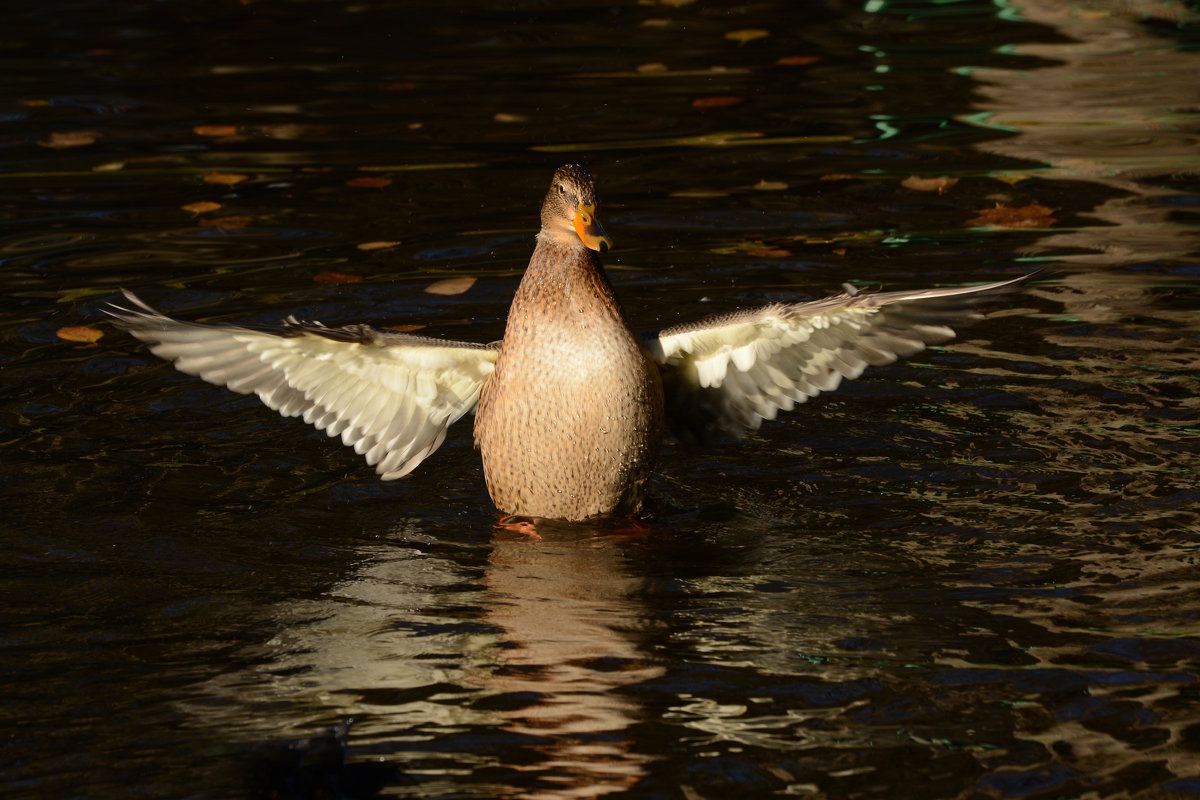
{"x": 389, "y": 396}
{"x": 730, "y": 372}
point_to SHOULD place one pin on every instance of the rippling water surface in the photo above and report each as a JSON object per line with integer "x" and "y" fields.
{"x": 971, "y": 574}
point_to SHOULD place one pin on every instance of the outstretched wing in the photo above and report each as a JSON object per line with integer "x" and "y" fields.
{"x": 729, "y": 372}
{"x": 390, "y": 396}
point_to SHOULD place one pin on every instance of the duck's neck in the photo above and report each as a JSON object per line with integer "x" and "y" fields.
{"x": 565, "y": 281}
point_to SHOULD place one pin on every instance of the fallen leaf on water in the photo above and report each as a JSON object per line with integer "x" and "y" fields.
{"x": 656, "y": 66}
{"x": 215, "y": 130}
{"x": 758, "y": 249}
{"x": 656, "y": 22}
{"x": 839, "y": 236}
{"x": 336, "y": 277}
{"x": 797, "y": 61}
{"x": 368, "y": 182}
{"x": 79, "y": 333}
{"x": 699, "y": 193}
{"x": 838, "y": 176}
{"x": 285, "y": 130}
{"x": 403, "y": 328}
{"x": 35, "y": 102}
{"x": 111, "y": 166}
{"x": 225, "y": 178}
{"x": 766, "y": 251}
{"x": 232, "y": 222}
{"x": 504, "y": 116}
{"x": 1034, "y": 215}
{"x": 1012, "y": 178}
{"x": 200, "y": 207}
{"x": 383, "y": 245}
{"x": 838, "y": 251}
{"x": 63, "y": 139}
{"x": 450, "y": 286}
{"x": 770, "y": 186}
{"x": 747, "y": 35}
{"x": 717, "y": 101}
{"x": 920, "y": 184}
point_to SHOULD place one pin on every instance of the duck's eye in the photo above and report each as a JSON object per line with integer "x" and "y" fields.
{"x": 562, "y": 188}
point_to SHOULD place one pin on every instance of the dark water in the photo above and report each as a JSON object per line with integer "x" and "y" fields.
{"x": 972, "y": 574}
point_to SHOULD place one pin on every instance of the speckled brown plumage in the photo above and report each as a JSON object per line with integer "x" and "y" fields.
{"x": 569, "y": 423}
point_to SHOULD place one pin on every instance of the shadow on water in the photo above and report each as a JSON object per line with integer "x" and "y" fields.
{"x": 970, "y": 575}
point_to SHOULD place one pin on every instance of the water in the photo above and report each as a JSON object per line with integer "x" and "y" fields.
{"x": 971, "y": 574}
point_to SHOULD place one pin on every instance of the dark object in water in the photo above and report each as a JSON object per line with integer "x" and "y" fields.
{"x": 316, "y": 769}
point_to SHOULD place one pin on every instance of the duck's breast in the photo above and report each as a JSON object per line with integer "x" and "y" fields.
{"x": 570, "y": 421}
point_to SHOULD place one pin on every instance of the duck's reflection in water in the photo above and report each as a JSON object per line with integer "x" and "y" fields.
{"x": 571, "y": 619}
{"x": 428, "y": 647}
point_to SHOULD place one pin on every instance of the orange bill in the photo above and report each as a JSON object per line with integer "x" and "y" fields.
{"x": 589, "y": 230}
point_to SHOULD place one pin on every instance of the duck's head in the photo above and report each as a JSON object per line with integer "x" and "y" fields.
{"x": 569, "y": 210}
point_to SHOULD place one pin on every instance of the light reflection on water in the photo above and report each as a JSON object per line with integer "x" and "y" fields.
{"x": 1117, "y": 108}
{"x": 969, "y": 575}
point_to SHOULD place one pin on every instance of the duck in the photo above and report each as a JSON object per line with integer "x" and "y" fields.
{"x": 571, "y": 407}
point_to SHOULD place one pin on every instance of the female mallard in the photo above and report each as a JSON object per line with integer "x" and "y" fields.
{"x": 571, "y": 403}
